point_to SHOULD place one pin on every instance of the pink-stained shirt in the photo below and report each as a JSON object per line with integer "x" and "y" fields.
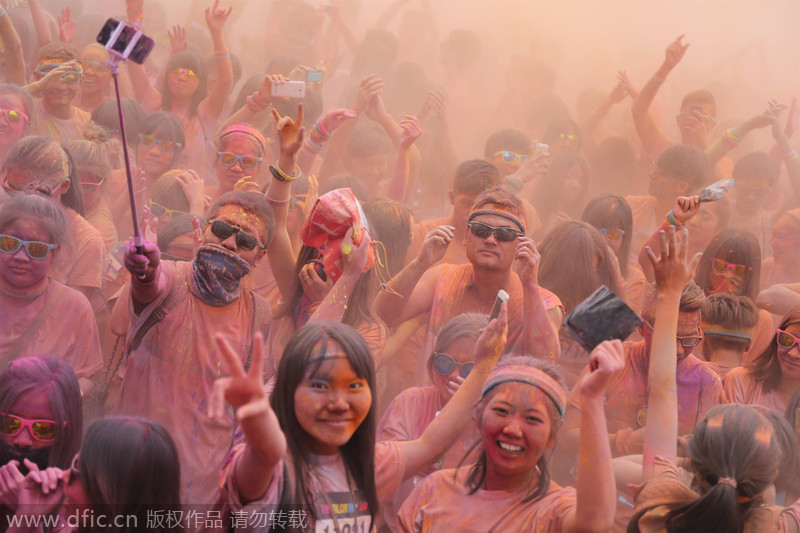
{"x": 699, "y": 389}
{"x": 69, "y": 332}
{"x": 80, "y": 264}
{"x": 455, "y": 293}
{"x": 443, "y": 503}
{"x": 169, "y": 376}
{"x": 406, "y": 419}
{"x": 329, "y": 476}
{"x": 741, "y": 387}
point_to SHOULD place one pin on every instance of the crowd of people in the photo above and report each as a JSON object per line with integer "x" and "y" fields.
{"x": 307, "y": 336}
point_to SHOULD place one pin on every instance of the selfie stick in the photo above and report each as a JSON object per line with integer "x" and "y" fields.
{"x": 113, "y": 62}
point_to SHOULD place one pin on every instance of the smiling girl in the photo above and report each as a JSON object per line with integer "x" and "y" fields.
{"x": 313, "y": 443}
{"x": 509, "y": 488}
{"x": 772, "y": 377}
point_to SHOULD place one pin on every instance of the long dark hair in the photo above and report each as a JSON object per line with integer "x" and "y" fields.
{"x": 736, "y": 442}
{"x": 132, "y": 465}
{"x": 191, "y": 60}
{"x": 56, "y": 378}
{"x": 308, "y": 343}
{"x": 734, "y": 246}
{"x": 575, "y": 280}
{"x": 611, "y": 211}
{"x": 765, "y": 369}
{"x": 477, "y": 474}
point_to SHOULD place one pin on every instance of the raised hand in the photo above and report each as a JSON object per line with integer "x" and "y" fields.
{"x": 671, "y": 269}
{"x": 686, "y": 207}
{"x": 675, "y": 52}
{"x": 243, "y": 390}
{"x": 216, "y": 17}
{"x": 334, "y": 118}
{"x": 493, "y": 338}
{"x": 618, "y": 93}
{"x": 624, "y": 80}
{"x": 66, "y": 26}
{"x": 315, "y": 288}
{"x": 355, "y": 254}
{"x": 193, "y": 188}
{"x": 435, "y": 245}
{"x": 411, "y": 131}
{"x": 41, "y": 490}
{"x": 145, "y": 265}
{"x": 533, "y": 167}
{"x": 177, "y": 38}
{"x": 793, "y": 120}
{"x": 290, "y": 132}
{"x": 10, "y": 482}
{"x": 605, "y": 362}
{"x": 247, "y": 184}
{"x": 370, "y": 86}
{"x": 529, "y": 259}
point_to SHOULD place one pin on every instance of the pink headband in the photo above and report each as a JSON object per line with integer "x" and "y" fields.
{"x": 531, "y": 376}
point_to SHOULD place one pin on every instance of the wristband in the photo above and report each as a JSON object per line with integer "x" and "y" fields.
{"x": 4, "y": 12}
{"x": 656, "y": 79}
{"x": 312, "y": 145}
{"x": 672, "y": 221}
{"x": 280, "y": 175}
{"x": 276, "y": 202}
{"x": 790, "y": 156}
{"x": 222, "y": 58}
{"x": 320, "y": 127}
{"x": 257, "y": 98}
{"x": 255, "y": 106}
{"x": 599, "y": 113}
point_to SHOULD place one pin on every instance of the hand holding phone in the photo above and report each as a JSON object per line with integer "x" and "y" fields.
{"x": 502, "y": 297}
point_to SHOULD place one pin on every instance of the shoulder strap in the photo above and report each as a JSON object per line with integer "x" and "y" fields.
{"x": 259, "y": 310}
{"x": 56, "y": 293}
{"x": 174, "y": 297}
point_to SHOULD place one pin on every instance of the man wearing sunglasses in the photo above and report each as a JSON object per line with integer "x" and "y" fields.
{"x": 495, "y": 239}
{"x": 58, "y": 74}
{"x": 699, "y": 386}
{"x": 177, "y": 308}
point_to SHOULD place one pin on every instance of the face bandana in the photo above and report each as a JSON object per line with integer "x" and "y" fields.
{"x": 39, "y": 456}
{"x": 217, "y": 274}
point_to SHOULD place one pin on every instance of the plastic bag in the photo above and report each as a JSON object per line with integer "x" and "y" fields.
{"x": 716, "y": 190}
{"x": 600, "y": 317}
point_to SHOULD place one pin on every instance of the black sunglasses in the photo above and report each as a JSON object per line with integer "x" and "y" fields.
{"x": 444, "y": 364}
{"x": 244, "y": 240}
{"x": 504, "y": 234}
